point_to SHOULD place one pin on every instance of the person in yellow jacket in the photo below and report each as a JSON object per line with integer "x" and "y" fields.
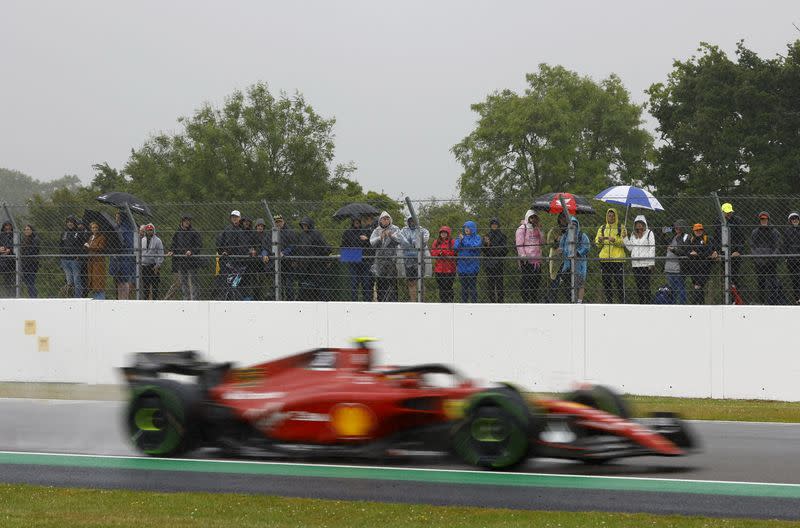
{"x": 611, "y": 241}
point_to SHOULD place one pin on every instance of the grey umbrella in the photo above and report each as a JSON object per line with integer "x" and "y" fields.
{"x": 121, "y": 199}
{"x": 355, "y": 209}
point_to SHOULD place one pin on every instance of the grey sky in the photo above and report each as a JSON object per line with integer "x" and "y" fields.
{"x": 85, "y": 81}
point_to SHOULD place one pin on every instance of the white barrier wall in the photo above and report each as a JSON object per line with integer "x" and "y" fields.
{"x": 700, "y": 351}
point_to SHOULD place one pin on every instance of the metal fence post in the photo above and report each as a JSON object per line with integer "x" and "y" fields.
{"x": 137, "y": 250}
{"x": 17, "y": 255}
{"x": 725, "y": 245}
{"x": 276, "y": 257}
{"x": 420, "y": 252}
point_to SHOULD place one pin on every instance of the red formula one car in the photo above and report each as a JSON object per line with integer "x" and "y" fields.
{"x": 335, "y": 402}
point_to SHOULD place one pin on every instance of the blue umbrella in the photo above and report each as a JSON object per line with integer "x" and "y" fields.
{"x": 630, "y": 196}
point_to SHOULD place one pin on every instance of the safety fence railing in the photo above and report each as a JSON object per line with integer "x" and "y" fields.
{"x": 298, "y": 251}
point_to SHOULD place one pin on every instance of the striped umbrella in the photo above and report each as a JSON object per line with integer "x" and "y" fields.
{"x": 630, "y": 196}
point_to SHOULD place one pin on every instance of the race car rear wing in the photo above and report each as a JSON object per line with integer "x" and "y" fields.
{"x": 187, "y": 363}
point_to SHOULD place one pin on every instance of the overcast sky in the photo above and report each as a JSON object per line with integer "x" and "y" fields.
{"x": 83, "y": 82}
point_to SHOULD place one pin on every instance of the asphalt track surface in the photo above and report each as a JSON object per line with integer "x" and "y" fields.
{"x": 743, "y": 470}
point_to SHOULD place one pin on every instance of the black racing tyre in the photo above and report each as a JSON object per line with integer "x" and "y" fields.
{"x": 602, "y": 398}
{"x": 491, "y": 436}
{"x": 162, "y": 418}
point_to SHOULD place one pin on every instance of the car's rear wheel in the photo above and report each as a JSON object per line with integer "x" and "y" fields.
{"x": 491, "y": 436}
{"x": 161, "y": 418}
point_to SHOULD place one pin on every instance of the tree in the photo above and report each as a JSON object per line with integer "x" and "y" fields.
{"x": 256, "y": 145}
{"x": 17, "y": 188}
{"x": 731, "y": 127}
{"x": 565, "y": 133}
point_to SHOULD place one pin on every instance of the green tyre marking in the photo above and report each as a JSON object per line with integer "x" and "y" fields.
{"x": 144, "y": 419}
{"x": 174, "y": 420}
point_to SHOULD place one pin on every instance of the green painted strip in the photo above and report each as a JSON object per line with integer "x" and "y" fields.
{"x": 486, "y": 478}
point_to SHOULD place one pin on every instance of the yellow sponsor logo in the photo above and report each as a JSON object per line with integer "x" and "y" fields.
{"x": 352, "y": 420}
{"x": 454, "y": 409}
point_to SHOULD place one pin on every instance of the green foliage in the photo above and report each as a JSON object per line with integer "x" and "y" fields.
{"x": 16, "y": 188}
{"x": 565, "y": 133}
{"x": 729, "y": 126}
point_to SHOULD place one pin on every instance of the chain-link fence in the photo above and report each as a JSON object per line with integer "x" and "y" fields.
{"x": 298, "y": 251}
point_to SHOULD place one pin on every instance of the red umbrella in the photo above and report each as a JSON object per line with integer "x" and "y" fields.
{"x": 551, "y": 203}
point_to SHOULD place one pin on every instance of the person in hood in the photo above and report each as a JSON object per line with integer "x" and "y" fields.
{"x": 791, "y": 248}
{"x": 309, "y": 250}
{"x": 468, "y": 247}
{"x": 642, "y": 245}
{"x": 71, "y": 247}
{"x": 260, "y": 261}
{"x": 152, "y": 259}
{"x": 122, "y": 264}
{"x": 574, "y": 246}
{"x": 701, "y": 255}
{"x": 96, "y": 265}
{"x": 186, "y": 244}
{"x": 558, "y": 279}
{"x": 8, "y": 263}
{"x": 765, "y": 242}
{"x": 357, "y": 237}
{"x": 610, "y": 239}
{"x": 677, "y": 251}
{"x": 736, "y": 240}
{"x": 412, "y": 234}
{"x": 29, "y": 250}
{"x": 444, "y": 267}
{"x": 495, "y": 248}
{"x": 386, "y": 239}
{"x": 529, "y": 242}
{"x": 286, "y": 237}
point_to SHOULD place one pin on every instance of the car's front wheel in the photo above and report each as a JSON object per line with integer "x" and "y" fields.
{"x": 491, "y": 436}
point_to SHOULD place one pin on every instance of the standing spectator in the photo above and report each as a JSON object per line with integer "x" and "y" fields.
{"x": 611, "y": 241}
{"x": 444, "y": 269}
{"x": 29, "y": 250}
{"x": 677, "y": 250}
{"x": 791, "y": 247}
{"x": 736, "y": 244}
{"x": 357, "y": 237}
{"x": 642, "y": 245}
{"x": 262, "y": 242}
{"x": 152, "y": 259}
{"x": 286, "y": 237}
{"x": 575, "y": 249}
{"x": 701, "y": 254}
{"x": 386, "y": 239}
{"x": 232, "y": 248}
{"x": 309, "y": 248}
{"x": 370, "y": 224}
{"x": 411, "y": 234}
{"x": 495, "y": 247}
{"x": 186, "y": 244}
{"x": 529, "y": 242}
{"x": 251, "y": 264}
{"x": 71, "y": 247}
{"x": 557, "y": 277}
{"x": 765, "y": 242}
{"x": 468, "y": 247}
{"x": 8, "y": 263}
{"x": 96, "y": 265}
{"x": 122, "y": 265}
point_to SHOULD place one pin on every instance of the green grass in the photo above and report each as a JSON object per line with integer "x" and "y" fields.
{"x": 708, "y": 409}
{"x": 33, "y": 506}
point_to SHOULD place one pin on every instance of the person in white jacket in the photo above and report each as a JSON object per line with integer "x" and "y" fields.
{"x": 642, "y": 245}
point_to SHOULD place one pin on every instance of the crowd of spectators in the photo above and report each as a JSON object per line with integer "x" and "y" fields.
{"x": 382, "y": 259}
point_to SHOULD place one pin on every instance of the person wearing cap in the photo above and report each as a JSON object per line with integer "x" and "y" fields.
{"x": 233, "y": 249}
{"x": 529, "y": 240}
{"x": 356, "y": 238}
{"x": 701, "y": 255}
{"x": 411, "y": 234}
{"x": 495, "y": 247}
{"x": 765, "y": 245}
{"x": 675, "y": 262}
{"x": 737, "y": 239}
{"x": 610, "y": 239}
{"x": 186, "y": 244}
{"x": 122, "y": 265}
{"x": 386, "y": 239}
{"x": 152, "y": 259}
{"x": 71, "y": 248}
{"x": 791, "y": 248}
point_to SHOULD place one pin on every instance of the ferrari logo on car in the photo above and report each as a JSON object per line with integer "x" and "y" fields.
{"x": 351, "y": 420}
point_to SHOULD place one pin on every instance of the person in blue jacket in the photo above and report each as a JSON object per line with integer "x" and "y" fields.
{"x": 468, "y": 248}
{"x": 578, "y": 249}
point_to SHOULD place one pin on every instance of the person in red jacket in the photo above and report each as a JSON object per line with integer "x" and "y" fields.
{"x": 444, "y": 268}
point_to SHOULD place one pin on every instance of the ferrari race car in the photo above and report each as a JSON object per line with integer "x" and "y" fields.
{"x": 335, "y": 402}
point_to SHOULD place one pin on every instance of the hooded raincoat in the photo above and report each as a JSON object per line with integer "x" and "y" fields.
{"x": 643, "y": 250}
{"x": 579, "y": 249}
{"x": 443, "y": 252}
{"x": 529, "y": 240}
{"x": 611, "y": 250}
{"x": 386, "y": 247}
{"x": 469, "y": 249}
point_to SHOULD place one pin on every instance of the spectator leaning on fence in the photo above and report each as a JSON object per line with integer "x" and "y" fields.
{"x": 610, "y": 239}
{"x": 96, "y": 266}
{"x": 495, "y": 247}
{"x": 444, "y": 268}
{"x": 737, "y": 233}
{"x": 765, "y": 245}
{"x": 701, "y": 255}
{"x": 577, "y": 247}
{"x": 411, "y": 233}
{"x": 71, "y": 247}
{"x": 186, "y": 245}
{"x": 529, "y": 243}
{"x": 386, "y": 239}
{"x": 642, "y": 245}
{"x": 262, "y": 244}
{"x": 8, "y": 263}
{"x": 468, "y": 247}
{"x": 152, "y": 259}
{"x": 29, "y": 251}
{"x": 557, "y": 278}
{"x": 677, "y": 250}
{"x": 791, "y": 247}
{"x": 357, "y": 238}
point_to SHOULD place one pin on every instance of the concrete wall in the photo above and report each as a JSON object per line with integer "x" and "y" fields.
{"x": 702, "y": 351}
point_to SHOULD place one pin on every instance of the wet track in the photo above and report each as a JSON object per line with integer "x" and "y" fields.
{"x": 750, "y": 470}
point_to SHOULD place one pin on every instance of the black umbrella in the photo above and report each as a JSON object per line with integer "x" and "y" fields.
{"x": 551, "y": 202}
{"x": 355, "y": 210}
{"x": 120, "y": 199}
{"x": 108, "y": 226}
